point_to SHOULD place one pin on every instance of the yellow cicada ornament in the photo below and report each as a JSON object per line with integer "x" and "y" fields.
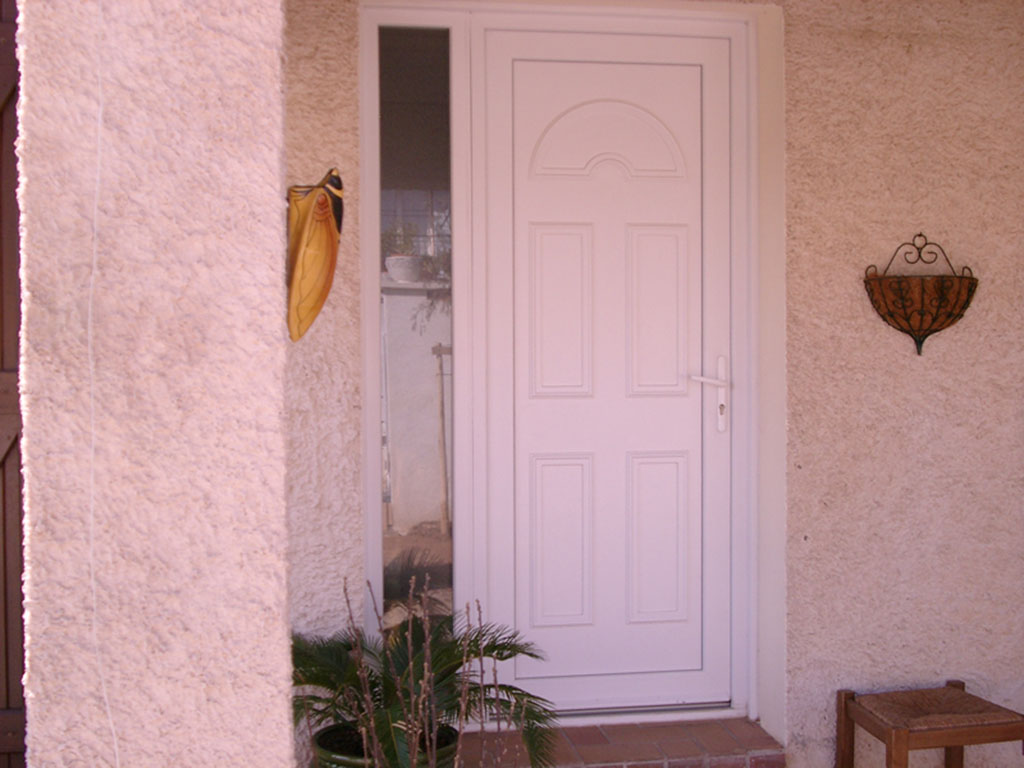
{"x": 314, "y": 227}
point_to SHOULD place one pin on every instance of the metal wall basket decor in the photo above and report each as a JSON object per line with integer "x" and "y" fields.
{"x": 920, "y": 304}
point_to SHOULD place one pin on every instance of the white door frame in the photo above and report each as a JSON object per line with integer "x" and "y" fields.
{"x": 757, "y": 322}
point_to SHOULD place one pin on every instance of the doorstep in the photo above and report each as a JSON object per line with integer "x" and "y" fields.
{"x": 726, "y": 743}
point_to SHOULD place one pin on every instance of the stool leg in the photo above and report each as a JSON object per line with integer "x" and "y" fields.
{"x": 844, "y": 731}
{"x": 897, "y": 748}
{"x": 955, "y": 755}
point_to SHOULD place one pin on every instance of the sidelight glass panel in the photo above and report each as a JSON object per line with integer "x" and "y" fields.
{"x": 416, "y": 327}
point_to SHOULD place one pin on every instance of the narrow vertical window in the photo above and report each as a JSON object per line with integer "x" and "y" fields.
{"x": 416, "y": 316}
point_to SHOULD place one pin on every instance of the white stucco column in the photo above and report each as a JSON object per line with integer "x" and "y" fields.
{"x": 153, "y": 357}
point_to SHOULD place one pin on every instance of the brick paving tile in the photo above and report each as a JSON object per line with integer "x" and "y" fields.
{"x": 622, "y": 734}
{"x": 665, "y": 731}
{"x": 687, "y": 762}
{"x": 493, "y": 750}
{"x": 602, "y": 754}
{"x": 715, "y": 738}
{"x": 726, "y": 743}
{"x": 728, "y": 762}
{"x": 586, "y": 735}
{"x": 768, "y": 761}
{"x": 495, "y": 761}
{"x": 508, "y": 751}
{"x": 565, "y": 753}
{"x": 676, "y": 748}
{"x": 748, "y": 734}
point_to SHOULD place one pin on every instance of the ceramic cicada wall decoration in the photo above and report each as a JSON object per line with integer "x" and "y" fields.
{"x": 314, "y": 227}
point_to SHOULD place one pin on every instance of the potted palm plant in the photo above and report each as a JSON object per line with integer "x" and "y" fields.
{"x": 404, "y": 698}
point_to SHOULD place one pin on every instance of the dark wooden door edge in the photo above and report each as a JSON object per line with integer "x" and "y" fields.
{"x": 12, "y": 731}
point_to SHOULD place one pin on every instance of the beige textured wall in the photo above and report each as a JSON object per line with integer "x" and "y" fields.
{"x": 325, "y": 514}
{"x": 152, "y": 383}
{"x": 906, "y": 474}
{"x": 905, "y": 553}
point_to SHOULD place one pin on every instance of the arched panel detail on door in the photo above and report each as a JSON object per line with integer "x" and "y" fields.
{"x": 607, "y": 130}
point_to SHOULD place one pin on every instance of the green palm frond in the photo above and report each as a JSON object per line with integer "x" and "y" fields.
{"x": 323, "y": 668}
{"x": 423, "y": 671}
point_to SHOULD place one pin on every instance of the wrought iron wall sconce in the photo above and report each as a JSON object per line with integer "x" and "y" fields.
{"x": 920, "y": 304}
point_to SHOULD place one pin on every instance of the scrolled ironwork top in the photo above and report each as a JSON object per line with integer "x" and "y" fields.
{"x": 920, "y": 250}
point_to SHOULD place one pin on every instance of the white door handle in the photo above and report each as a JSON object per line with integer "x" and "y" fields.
{"x": 712, "y": 382}
{"x": 722, "y": 385}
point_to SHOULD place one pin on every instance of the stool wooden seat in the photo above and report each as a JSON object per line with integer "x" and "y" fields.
{"x": 946, "y": 717}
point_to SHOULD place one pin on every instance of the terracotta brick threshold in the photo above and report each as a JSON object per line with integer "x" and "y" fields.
{"x": 726, "y": 743}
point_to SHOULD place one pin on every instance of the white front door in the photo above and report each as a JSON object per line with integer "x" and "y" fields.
{"x": 604, "y": 159}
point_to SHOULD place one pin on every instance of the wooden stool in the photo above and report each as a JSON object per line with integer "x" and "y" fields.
{"x": 921, "y": 719}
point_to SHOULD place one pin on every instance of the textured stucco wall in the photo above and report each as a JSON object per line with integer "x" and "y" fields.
{"x": 324, "y": 461}
{"x": 905, "y": 550}
{"x": 153, "y": 383}
{"x": 906, "y": 474}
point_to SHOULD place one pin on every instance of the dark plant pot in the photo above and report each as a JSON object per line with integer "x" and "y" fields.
{"x": 341, "y": 746}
